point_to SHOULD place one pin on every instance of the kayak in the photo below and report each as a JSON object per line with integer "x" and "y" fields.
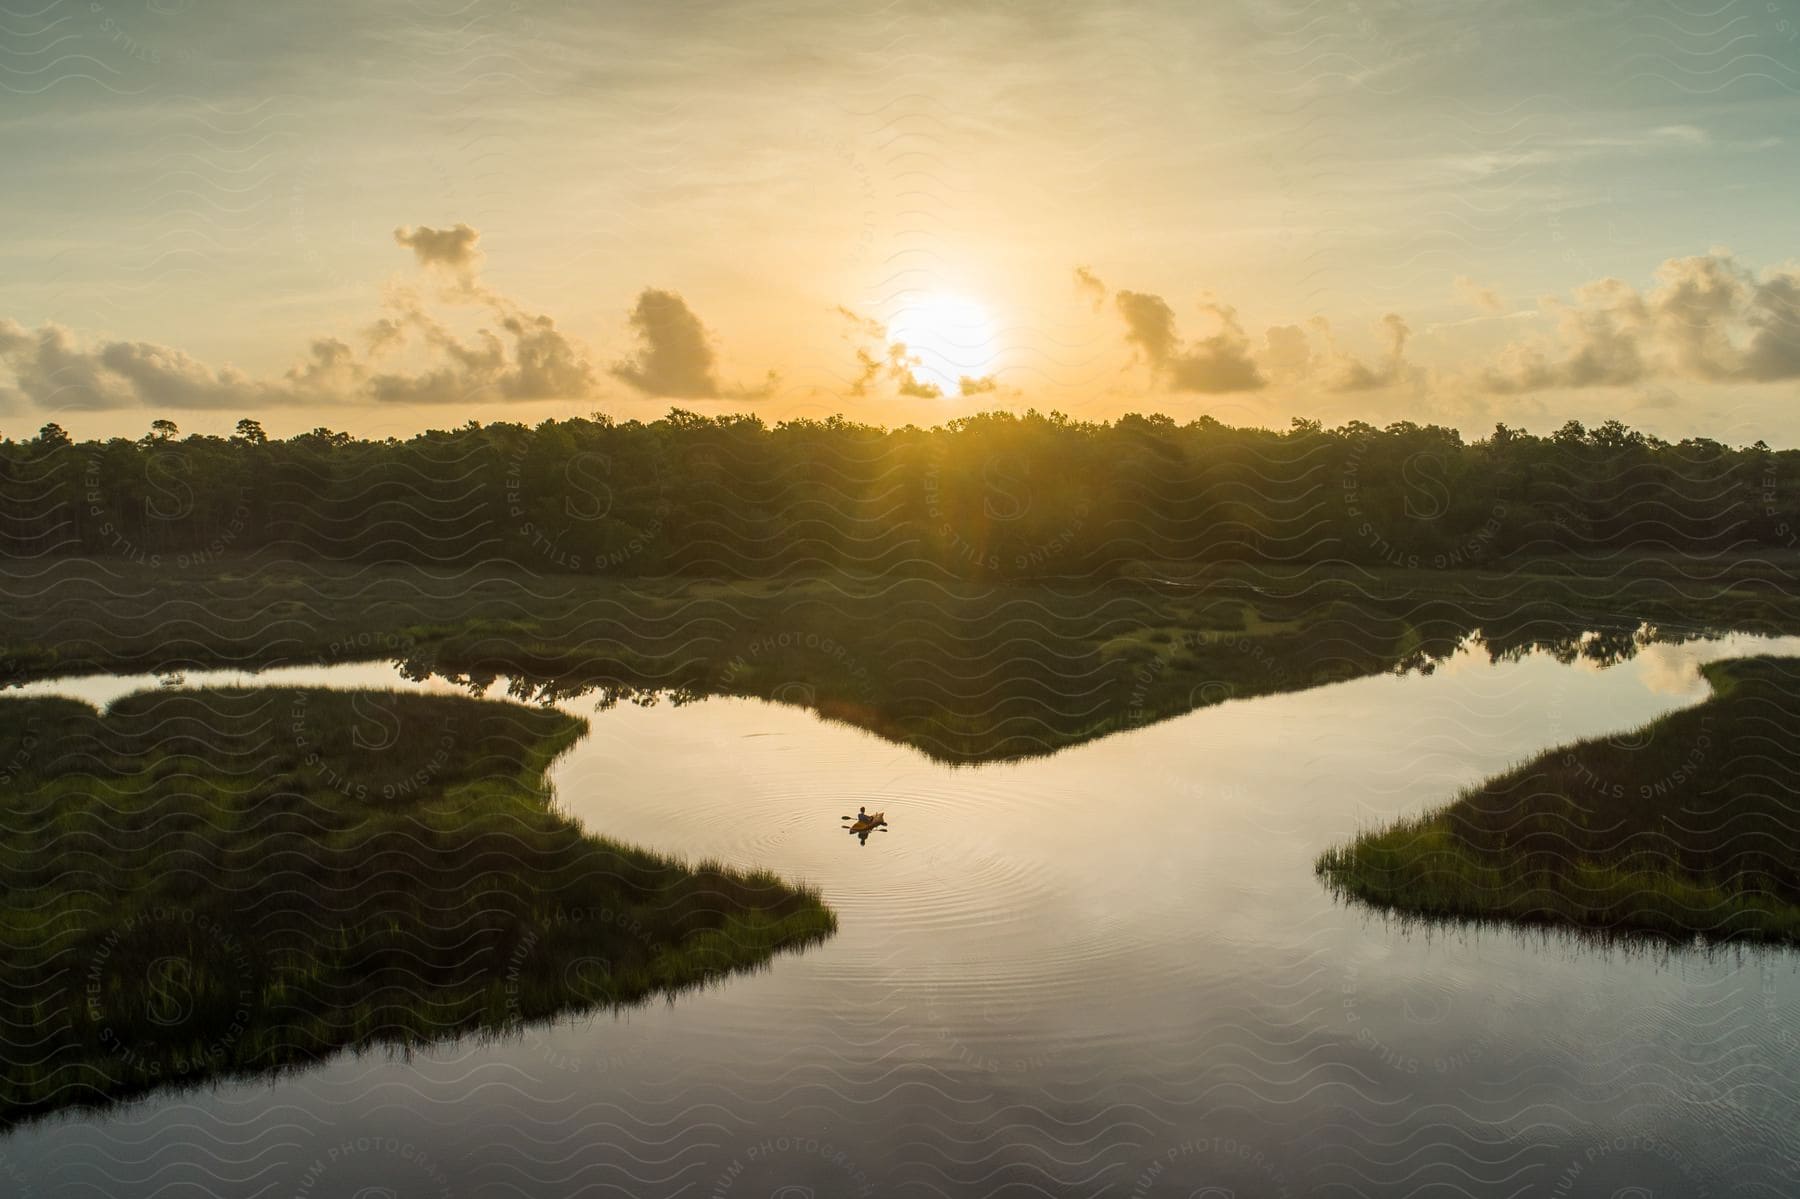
{"x": 869, "y": 822}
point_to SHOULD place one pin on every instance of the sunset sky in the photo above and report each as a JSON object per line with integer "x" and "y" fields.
{"x": 384, "y": 218}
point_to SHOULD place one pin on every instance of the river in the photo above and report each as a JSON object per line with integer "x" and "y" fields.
{"x": 1110, "y": 971}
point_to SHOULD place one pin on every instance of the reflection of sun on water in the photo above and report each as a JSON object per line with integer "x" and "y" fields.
{"x": 951, "y": 336}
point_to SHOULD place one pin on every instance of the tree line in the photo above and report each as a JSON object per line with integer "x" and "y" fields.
{"x": 996, "y": 495}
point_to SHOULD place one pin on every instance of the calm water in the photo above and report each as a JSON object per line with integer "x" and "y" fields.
{"x": 1107, "y": 972}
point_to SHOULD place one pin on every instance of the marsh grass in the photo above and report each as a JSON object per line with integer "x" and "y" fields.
{"x": 965, "y": 672}
{"x": 207, "y": 883}
{"x": 1683, "y": 829}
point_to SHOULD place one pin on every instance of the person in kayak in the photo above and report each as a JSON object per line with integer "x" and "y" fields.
{"x": 862, "y": 813}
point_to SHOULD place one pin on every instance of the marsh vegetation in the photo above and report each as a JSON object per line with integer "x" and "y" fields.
{"x": 963, "y": 671}
{"x": 201, "y": 883}
{"x": 1683, "y": 829}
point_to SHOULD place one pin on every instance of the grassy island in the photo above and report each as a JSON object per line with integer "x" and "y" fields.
{"x": 1683, "y": 829}
{"x": 964, "y": 671}
{"x": 205, "y": 883}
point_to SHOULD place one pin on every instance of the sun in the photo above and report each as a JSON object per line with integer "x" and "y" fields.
{"x": 952, "y": 336}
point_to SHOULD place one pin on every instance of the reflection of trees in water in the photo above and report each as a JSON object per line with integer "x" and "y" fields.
{"x": 1025, "y": 676}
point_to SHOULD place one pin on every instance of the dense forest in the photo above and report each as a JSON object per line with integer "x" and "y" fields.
{"x": 989, "y": 496}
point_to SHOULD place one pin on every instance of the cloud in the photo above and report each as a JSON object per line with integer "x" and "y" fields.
{"x": 1691, "y": 135}
{"x": 675, "y": 357}
{"x": 1309, "y": 353}
{"x": 1089, "y": 284}
{"x": 1346, "y": 372}
{"x": 1600, "y": 335}
{"x": 867, "y": 326}
{"x": 1690, "y": 314}
{"x": 971, "y": 386}
{"x": 453, "y": 247}
{"x": 332, "y": 369}
{"x": 901, "y": 371}
{"x": 165, "y": 376}
{"x": 1707, "y": 318}
{"x": 528, "y": 359}
{"x": 52, "y": 368}
{"x": 895, "y": 364}
{"x": 1149, "y": 325}
{"x": 1287, "y": 352}
{"x": 1482, "y": 299}
{"x": 1224, "y": 362}
{"x": 1774, "y": 321}
{"x": 523, "y": 356}
{"x": 885, "y": 360}
{"x": 546, "y": 363}
{"x": 384, "y": 334}
{"x": 1212, "y": 365}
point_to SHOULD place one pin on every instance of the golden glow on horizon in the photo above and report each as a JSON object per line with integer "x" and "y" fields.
{"x": 951, "y": 336}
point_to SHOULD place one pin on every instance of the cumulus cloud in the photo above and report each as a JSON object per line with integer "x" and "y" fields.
{"x": 52, "y": 368}
{"x": 1310, "y": 353}
{"x": 675, "y": 357}
{"x": 527, "y": 359}
{"x": 1773, "y": 318}
{"x": 1287, "y": 352}
{"x": 1346, "y": 372}
{"x": 331, "y": 368}
{"x": 546, "y": 363}
{"x": 524, "y": 357}
{"x": 521, "y": 356}
{"x": 1226, "y": 362}
{"x": 1600, "y": 338}
{"x": 970, "y": 386}
{"x": 162, "y": 375}
{"x": 384, "y": 334}
{"x": 1215, "y": 364}
{"x": 453, "y": 247}
{"x": 1482, "y": 299}
{"x": 1707, "y": 318}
